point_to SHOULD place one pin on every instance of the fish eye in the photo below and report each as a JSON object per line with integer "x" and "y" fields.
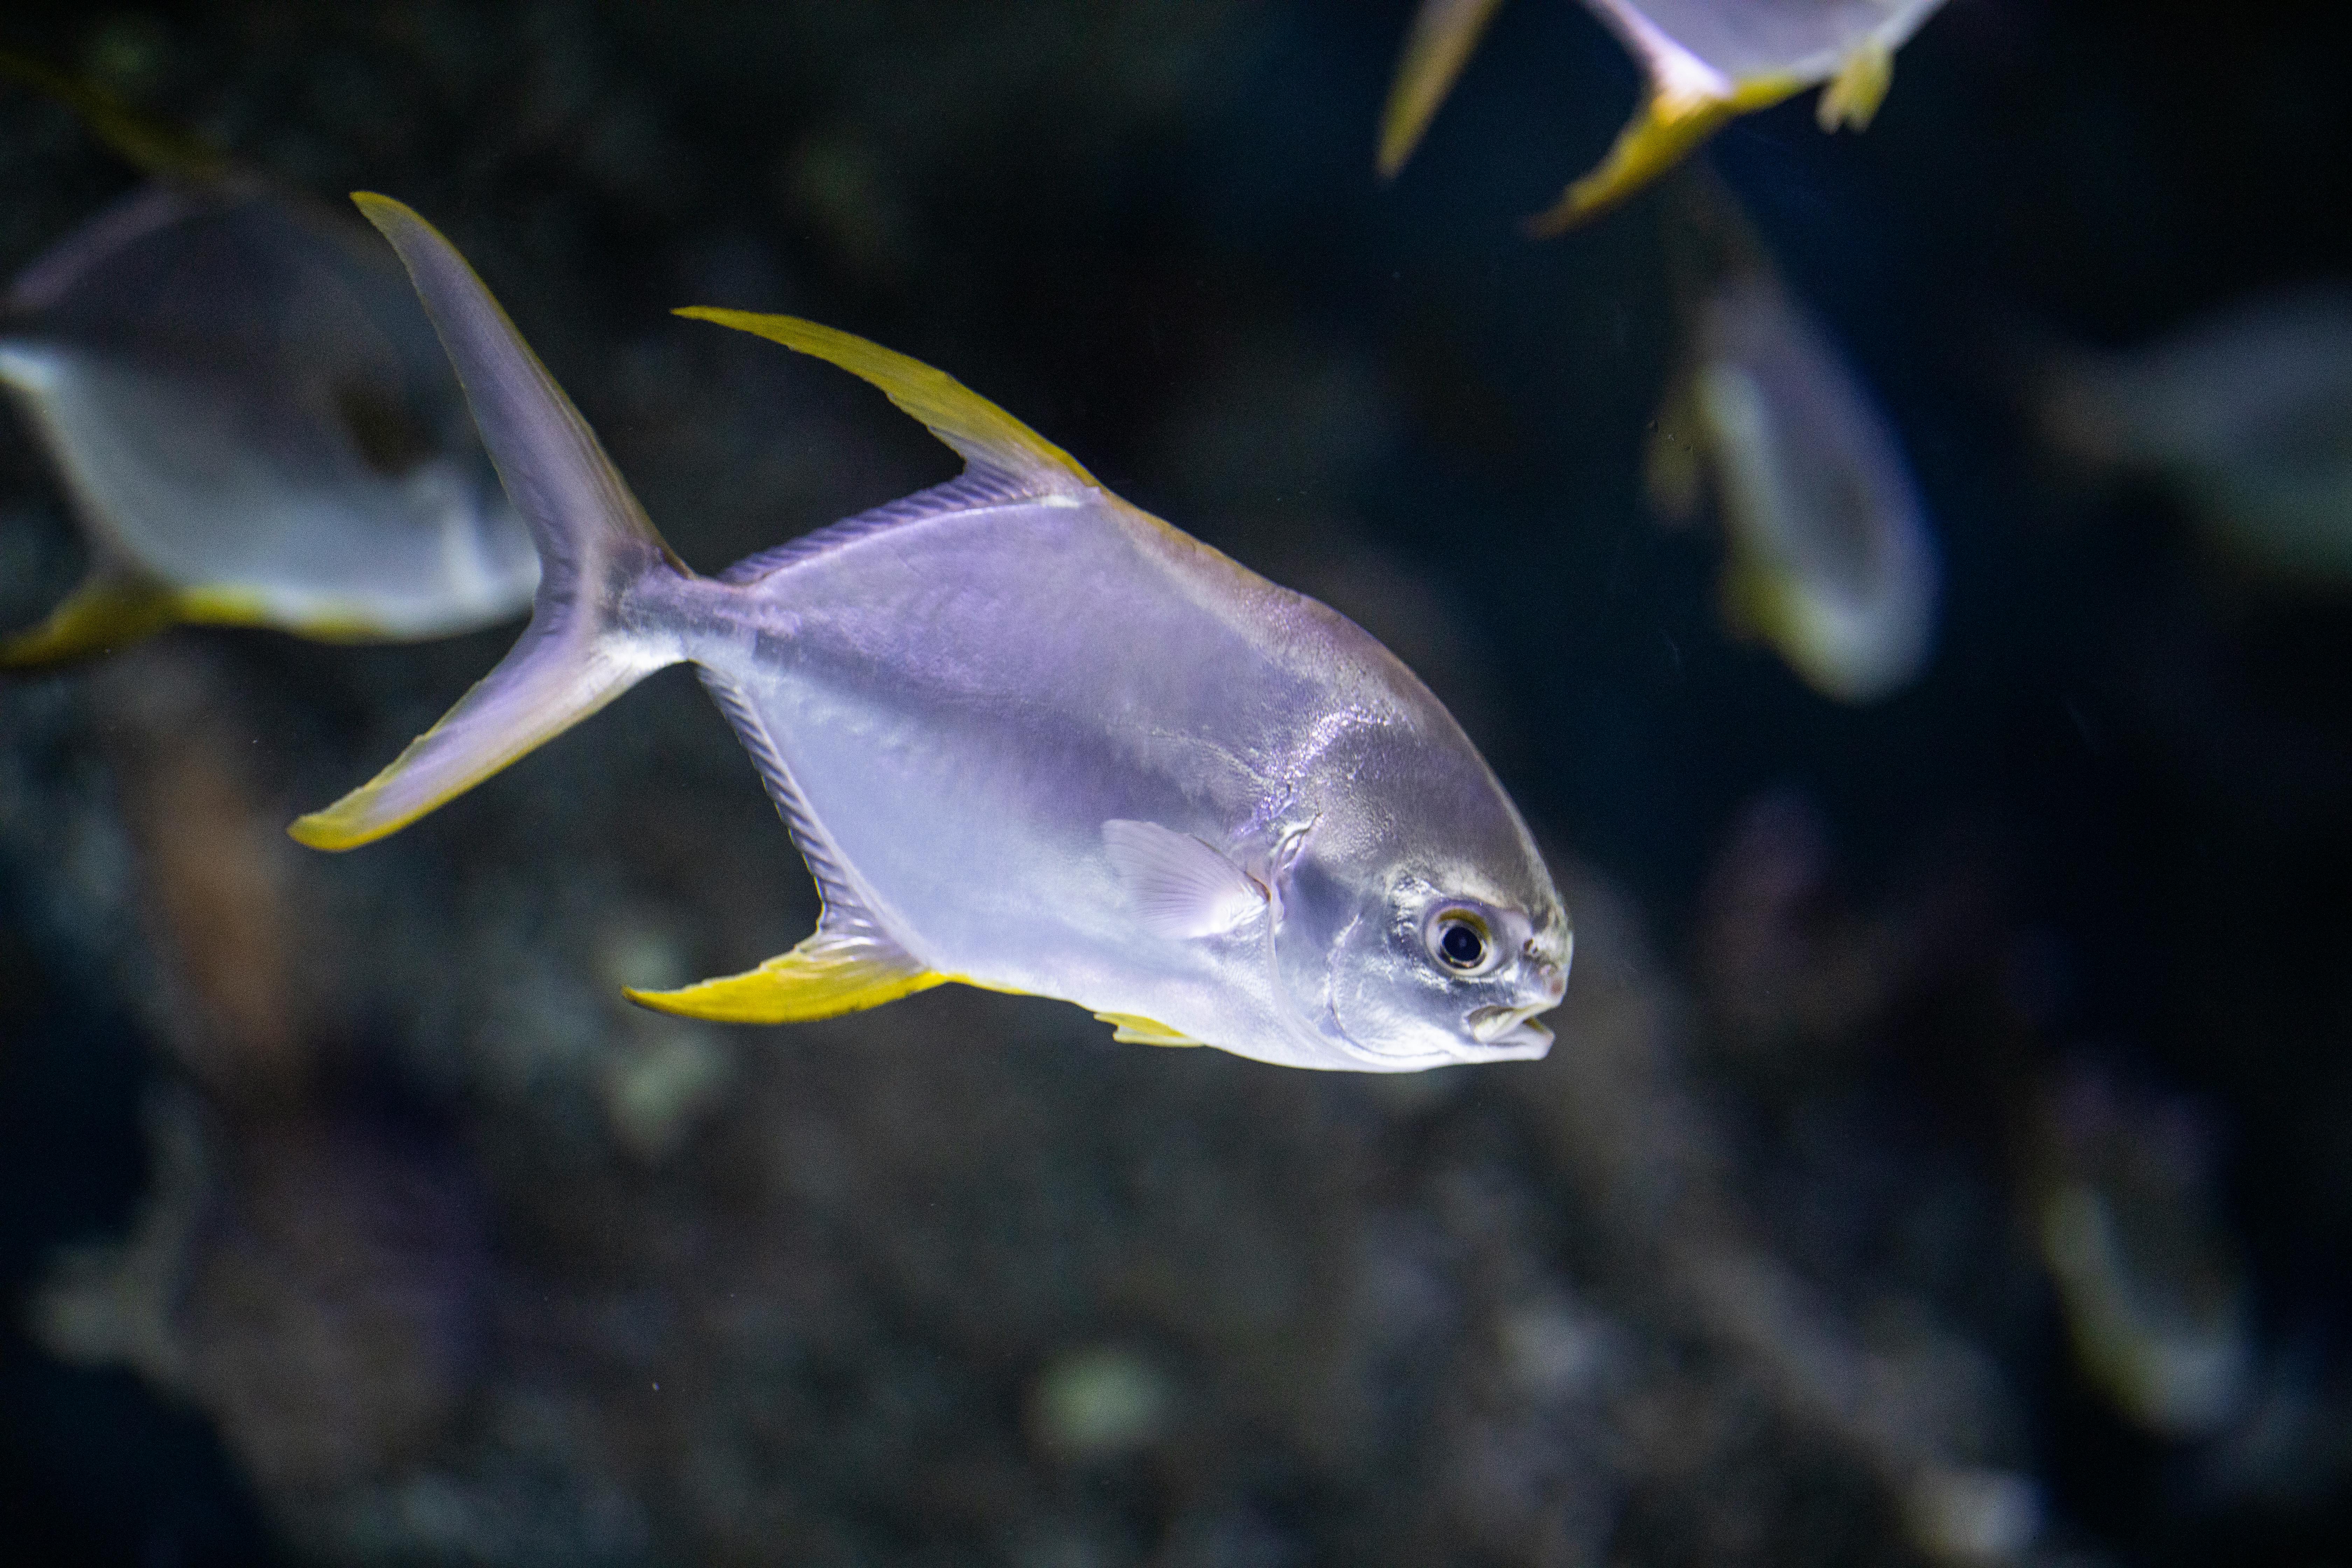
{"x": 1458, "y": 938}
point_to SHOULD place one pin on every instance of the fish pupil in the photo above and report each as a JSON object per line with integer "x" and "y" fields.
{"x": 1461, "y": 946}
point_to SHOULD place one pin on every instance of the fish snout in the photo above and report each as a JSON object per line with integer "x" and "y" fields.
{"x": 1541, "y": 977}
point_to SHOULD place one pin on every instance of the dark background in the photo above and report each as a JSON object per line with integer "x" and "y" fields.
{"x": 1152, "y": 231}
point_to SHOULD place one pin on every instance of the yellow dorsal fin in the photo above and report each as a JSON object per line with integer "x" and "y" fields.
{"x": 1133, "y": 1028}
{"x": 823, "y": 977}
{"x": 1444, "y": 32}
{"x": 1669, "y": 123}
{"x": 983, "y": 434}
{"x": 107, "y": 611}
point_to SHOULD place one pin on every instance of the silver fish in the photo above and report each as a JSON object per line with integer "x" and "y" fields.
{"x": 255, "y": 427}
{"x": 1829, "y": 553}
{"x": 1706, "y": 61}
{"x": 1025, "y": 735}
{"x": 2153, "y": 1284}
{"x": 2245, "y": 414}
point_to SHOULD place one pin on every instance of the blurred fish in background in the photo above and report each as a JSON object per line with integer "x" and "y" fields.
{"x": 2154, "y": 1292}
{"x": 1828, "y": 553}
{"x": 2243, "y": 415}
{"x": 1705, "y": 61}
{"x": 239, "y": 401}
{"x": 250, "y": 417}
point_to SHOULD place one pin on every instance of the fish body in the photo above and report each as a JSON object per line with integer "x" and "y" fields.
{"x": 254, "y": 426}
{"x": 1706, "y": 61}
{"x": 1026, "y": 736}
{"x": 2152, "y": 1283}
{"x": 1830, "y": 557}
{"x": 2245, "y": 414}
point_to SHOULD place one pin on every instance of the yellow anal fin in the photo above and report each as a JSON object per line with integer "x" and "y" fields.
{"x": 105, "y": 612}
{"x": 981, "y": 433}
{"x": 1134, "y": 1029}
{"x": 1444, "y": 32}
{"x": 823, "y": 977}
{"x": 1666, "y": 126}
{"x": 1854, "y": 95}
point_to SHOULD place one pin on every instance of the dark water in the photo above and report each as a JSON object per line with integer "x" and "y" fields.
{"x": 437, "y": 1253}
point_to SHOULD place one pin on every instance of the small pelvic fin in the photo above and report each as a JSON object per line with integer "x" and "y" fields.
{"x": 1134, "y": 1029}
{"x": 1181, "y": 887}
{"x": 823, "y": 977}
{"x": 1854, "y": 95}
{"x": 1669, "y": 123}
{"x": 106, "y": 612}
{"x": 983, "y": 434}
{"x": 1444, "y": 32}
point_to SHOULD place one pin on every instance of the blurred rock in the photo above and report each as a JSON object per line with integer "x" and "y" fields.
{"x": 310, "y": 1283}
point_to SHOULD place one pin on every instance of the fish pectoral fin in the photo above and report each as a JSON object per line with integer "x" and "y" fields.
{"x": 107, "y": 611}
{"x": 823, "y": 977}
{"x": 1134, "y": 1029}
{"x": 1181, "y": 887}
{"x": 982, "y": 434}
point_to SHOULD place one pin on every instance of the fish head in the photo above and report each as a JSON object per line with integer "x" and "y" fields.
{"x": 1418, "y": 927}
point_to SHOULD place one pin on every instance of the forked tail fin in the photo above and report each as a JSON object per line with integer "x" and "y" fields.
{"x": 595, "y": 546}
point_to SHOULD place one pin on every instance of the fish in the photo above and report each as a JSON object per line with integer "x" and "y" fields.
{"x": 1829, "y": 556}
{"x": 1706, "y": 63}
{"x": 2154, "y": 1286}
{"x": 1025, "y": 735}
{"x": 254, "y": 426}
{"x": 2244, "y": 413}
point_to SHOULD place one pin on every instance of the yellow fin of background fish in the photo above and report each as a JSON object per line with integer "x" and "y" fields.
{"x": 105, "y": 612}
{"x": 979, "y": 432}
{"x": 823, "y": 977}
{"x": 1706, "y": 63}
{"x": 1670, "y": 122}
{"x": 1439, "y": 44}
{"x": 1132, "y": 1029}
{"x": 1854, "y": 95}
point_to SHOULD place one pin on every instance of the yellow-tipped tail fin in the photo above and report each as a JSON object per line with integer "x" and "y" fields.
{"x": 105, "y": 612}
{"x": 555, "y": 676}
{"x": 594, "y": 541}
{"x": 1444, "y": 32}
{"x": 983, "y": 434}
{"x": 823, "y": 977}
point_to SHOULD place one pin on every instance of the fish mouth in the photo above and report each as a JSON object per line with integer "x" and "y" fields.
{"x": 1512, "y": 1030}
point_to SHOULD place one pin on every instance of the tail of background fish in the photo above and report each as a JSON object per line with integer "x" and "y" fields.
{"x": 596, "y": 551}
